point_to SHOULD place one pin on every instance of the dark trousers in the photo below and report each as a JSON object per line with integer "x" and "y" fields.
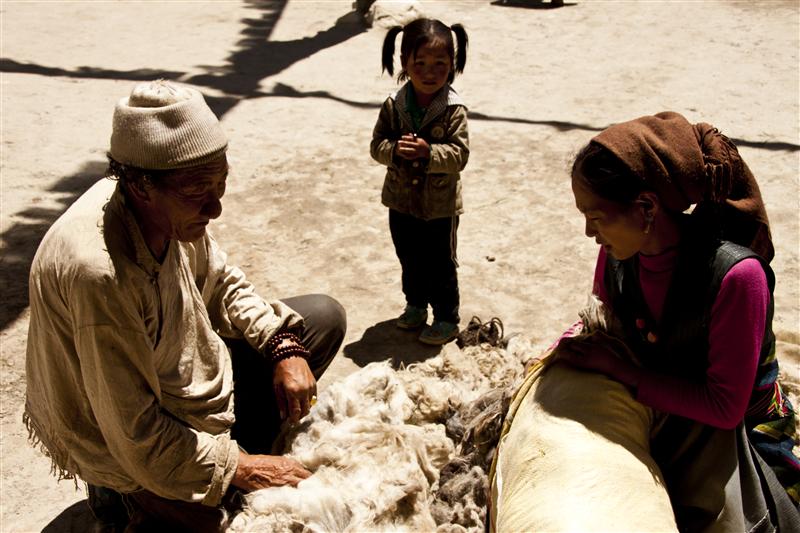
{"x": 257, "y": 418}
{"x": 427, "y": 253}
{"x": 257, "y": 424}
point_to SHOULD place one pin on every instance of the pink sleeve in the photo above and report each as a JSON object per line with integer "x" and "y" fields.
{"x": 738, "y": 317}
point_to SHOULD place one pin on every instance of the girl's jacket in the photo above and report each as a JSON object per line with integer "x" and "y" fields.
{"x": 422, "y": 188}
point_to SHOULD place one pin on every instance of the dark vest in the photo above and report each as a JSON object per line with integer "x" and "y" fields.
{"x": 682, "y": 344}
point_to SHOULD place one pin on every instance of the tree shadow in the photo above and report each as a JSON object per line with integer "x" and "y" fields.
{"x": 259, "y": 58}
{"x": 533, "y": 4}
{"x": 560, "y": 125}
{"x": 22, "y": 239}
{"x": 142, "y": 74}
{"x": 255, "y": 59}
{"x": 77, "y": 518}
{"x": 385, "y": 341}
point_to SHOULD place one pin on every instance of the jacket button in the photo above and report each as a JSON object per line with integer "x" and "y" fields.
{"x": 415, "y": 164}
{"x": 414, "y": 182}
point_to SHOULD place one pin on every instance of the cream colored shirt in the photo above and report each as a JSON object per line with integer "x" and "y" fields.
{"x": 129, "y": 383}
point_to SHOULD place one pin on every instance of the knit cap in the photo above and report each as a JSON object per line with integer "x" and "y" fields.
{"x": 163, "y": 125}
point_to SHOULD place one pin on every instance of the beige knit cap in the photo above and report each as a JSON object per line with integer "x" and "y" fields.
{"x": 163, "y": 125}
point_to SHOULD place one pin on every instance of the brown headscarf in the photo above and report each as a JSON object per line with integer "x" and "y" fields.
{"x": 693, "y": 164}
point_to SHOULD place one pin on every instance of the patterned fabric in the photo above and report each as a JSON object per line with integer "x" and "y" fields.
{"x": 770, "y": 422}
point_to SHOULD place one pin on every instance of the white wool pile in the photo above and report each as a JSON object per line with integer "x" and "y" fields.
{"x": 377, "y": 441}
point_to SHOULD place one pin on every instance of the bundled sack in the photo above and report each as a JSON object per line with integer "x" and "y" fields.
{"x": 574, "y": 456}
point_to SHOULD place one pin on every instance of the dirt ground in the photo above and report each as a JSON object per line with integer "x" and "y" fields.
{"x": 298, "y": 85}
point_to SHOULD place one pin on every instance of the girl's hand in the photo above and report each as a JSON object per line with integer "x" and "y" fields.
{"x": 412, "y": 147}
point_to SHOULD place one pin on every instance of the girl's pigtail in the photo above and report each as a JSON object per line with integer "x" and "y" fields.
{"x": 387, "y": 57}
{"x": 461, "y": 48}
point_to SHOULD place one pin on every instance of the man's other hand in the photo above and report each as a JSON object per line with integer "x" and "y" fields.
{"x": 294, "y": 386}
{"x": 262, "y": 471}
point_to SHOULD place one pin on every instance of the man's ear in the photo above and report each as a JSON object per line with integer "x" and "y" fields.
{"x": 140, "y": 190}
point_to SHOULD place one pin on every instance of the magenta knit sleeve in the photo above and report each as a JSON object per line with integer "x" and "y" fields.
{"x": 736, "y": 331}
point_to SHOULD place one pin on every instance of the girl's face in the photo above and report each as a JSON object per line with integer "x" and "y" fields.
{"x": 617, "y": 228}
{"x": 428, "y": 69}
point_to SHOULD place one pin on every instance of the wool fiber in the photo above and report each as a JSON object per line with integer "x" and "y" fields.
{"x": 396, "y": 450}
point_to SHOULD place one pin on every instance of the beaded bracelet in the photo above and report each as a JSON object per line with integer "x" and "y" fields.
{"x": 279, "y": 338}
{"x": 289, "y": 351}
{"x": 279, "y": 351}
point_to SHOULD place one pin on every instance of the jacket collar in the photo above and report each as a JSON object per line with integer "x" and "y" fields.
{"x": 446, "y": 97}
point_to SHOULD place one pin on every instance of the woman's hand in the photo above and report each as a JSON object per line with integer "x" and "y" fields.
{"x": 598, "y": 352}
{"x": 262, "y": 471}
{"x": 294, "y": 387}
{"x": 412, "y": 147}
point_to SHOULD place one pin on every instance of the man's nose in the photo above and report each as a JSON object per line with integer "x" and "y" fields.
{"x": 589, "y": 230}
{"x": 213, "y": 207}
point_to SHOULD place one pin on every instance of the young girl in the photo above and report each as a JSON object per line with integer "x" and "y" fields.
{"x": 694, "y": 295}
{"x": 421, "y": 136}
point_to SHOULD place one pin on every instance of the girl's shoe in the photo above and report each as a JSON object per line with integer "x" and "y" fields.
{"x": 439, "y": 333}
{"x": 412, "y": 318}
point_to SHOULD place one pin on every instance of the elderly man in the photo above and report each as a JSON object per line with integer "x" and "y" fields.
{"x": 141, "y": 334}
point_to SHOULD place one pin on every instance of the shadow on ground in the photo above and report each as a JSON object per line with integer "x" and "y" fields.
{"x": 385, "y": 341}
{"x": 255, "y": 59}
{"x": 22, "y": 239}
{"x": 533, "y": 4}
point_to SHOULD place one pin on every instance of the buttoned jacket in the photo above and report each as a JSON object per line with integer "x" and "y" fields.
{"x": 424, "y": 188}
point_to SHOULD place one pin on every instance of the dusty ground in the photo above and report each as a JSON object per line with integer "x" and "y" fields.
{"x": 298, "y": 84}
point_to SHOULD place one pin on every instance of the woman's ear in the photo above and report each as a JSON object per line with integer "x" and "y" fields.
{"x": 648, "y": 202}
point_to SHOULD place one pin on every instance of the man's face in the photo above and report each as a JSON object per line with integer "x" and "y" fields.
{"x": 183, "y": 204}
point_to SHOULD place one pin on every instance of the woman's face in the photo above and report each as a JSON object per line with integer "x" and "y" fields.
{"x": 617, "y": 228}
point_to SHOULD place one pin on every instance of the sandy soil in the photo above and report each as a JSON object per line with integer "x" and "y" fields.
{"x": 298, "y": 84}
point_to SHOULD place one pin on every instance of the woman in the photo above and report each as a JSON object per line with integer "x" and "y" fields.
{"x": 694, "y": 295}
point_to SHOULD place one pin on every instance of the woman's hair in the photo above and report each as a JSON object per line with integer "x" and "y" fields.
{"x": 606, "y": 175}
{"x": 422, "y": 32}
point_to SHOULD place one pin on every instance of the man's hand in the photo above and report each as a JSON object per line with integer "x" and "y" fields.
{"x": 262, "y": 471}
{"x": 294, "y": 386}
{"x": 412, "y": 147}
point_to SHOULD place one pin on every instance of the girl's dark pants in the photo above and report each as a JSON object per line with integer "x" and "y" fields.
{"x": 427, "y": 253}
{"x": 256, "y": 427}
